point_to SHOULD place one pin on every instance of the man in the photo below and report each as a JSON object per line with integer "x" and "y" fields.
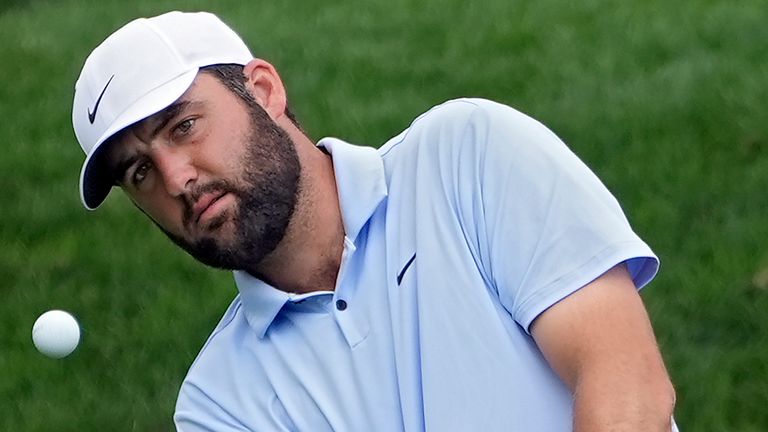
{"x": 470, "y": 274}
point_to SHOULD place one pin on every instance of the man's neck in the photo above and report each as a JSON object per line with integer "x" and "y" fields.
{"x": 309, "y": 256}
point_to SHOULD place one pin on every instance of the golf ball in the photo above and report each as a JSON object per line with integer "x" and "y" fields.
{"x": 56, "y": 334}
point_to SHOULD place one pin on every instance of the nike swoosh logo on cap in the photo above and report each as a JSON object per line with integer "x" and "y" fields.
{"x": 92, "y": 116}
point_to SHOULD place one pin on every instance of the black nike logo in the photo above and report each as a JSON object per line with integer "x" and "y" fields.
{"x": 402, "y": 272}
{"x": 92, "y": 116}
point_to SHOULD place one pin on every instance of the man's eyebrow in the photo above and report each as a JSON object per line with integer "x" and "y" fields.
{"x": 165, "y": 115}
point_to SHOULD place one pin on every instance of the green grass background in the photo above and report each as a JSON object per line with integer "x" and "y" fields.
{"x": 665, "y": 100}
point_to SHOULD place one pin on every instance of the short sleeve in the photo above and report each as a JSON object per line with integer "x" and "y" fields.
{"x": 198, "y": 412}
{"x": 549, "y": 226}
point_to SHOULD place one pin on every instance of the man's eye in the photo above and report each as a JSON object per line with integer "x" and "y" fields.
{"x": 141, "y": 173}
{"x": 184, "y": 127}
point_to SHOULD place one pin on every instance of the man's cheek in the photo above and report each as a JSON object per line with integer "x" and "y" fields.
{"x": 170, "y": 219}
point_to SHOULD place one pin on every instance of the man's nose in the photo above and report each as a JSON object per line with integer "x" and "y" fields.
{"x": 176, "y": 169}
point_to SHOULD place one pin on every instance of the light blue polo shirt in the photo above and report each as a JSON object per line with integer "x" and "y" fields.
{"x": 460, "y": 231}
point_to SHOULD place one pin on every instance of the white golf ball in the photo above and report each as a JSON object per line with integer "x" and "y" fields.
{"x": 56, "y": 334}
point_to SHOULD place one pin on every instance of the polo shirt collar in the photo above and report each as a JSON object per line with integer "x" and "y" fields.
{"x": 261, "y": 301}
{"x": 360, "y": 182}
{"x": 361, "y": 186}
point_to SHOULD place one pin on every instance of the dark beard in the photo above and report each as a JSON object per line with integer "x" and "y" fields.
{"x": 266, "y": 200}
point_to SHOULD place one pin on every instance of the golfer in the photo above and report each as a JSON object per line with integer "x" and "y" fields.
{"x": 472, "y": 274}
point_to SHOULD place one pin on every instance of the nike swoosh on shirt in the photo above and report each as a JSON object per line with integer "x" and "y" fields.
{"x": 92, "y": 116}
{"x": 402, "y": 272}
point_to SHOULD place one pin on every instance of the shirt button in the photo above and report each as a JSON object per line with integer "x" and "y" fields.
{"x": 341, "y": 305}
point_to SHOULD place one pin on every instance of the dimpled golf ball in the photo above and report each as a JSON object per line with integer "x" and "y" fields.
{"x": 56, "y": 334}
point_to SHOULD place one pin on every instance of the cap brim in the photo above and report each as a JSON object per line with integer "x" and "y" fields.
{"x": 95, "y": 179}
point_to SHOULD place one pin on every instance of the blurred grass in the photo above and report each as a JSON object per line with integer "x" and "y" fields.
{"x": 665, "y": 100}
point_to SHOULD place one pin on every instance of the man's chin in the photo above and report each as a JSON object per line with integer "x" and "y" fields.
{"x": 220, "y": 238}
{"x": 215, "y": 252}
{"x": 214, "y": 247}
{"x": 217, "y": 226}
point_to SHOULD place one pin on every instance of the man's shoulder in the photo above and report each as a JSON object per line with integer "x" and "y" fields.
{"x": 213, "y": 372}
{"x": 460, "y": 109}
{"x": 451, "y": 122}
{"x": 215, "y": 347}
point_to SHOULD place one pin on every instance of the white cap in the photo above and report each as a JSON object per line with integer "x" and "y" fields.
{"x": 137, "y": 71}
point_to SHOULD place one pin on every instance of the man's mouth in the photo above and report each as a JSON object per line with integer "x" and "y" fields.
{"x": 207, "y": 207}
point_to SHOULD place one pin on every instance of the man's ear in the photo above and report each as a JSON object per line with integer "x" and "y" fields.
{"x": 266, "y": 87}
